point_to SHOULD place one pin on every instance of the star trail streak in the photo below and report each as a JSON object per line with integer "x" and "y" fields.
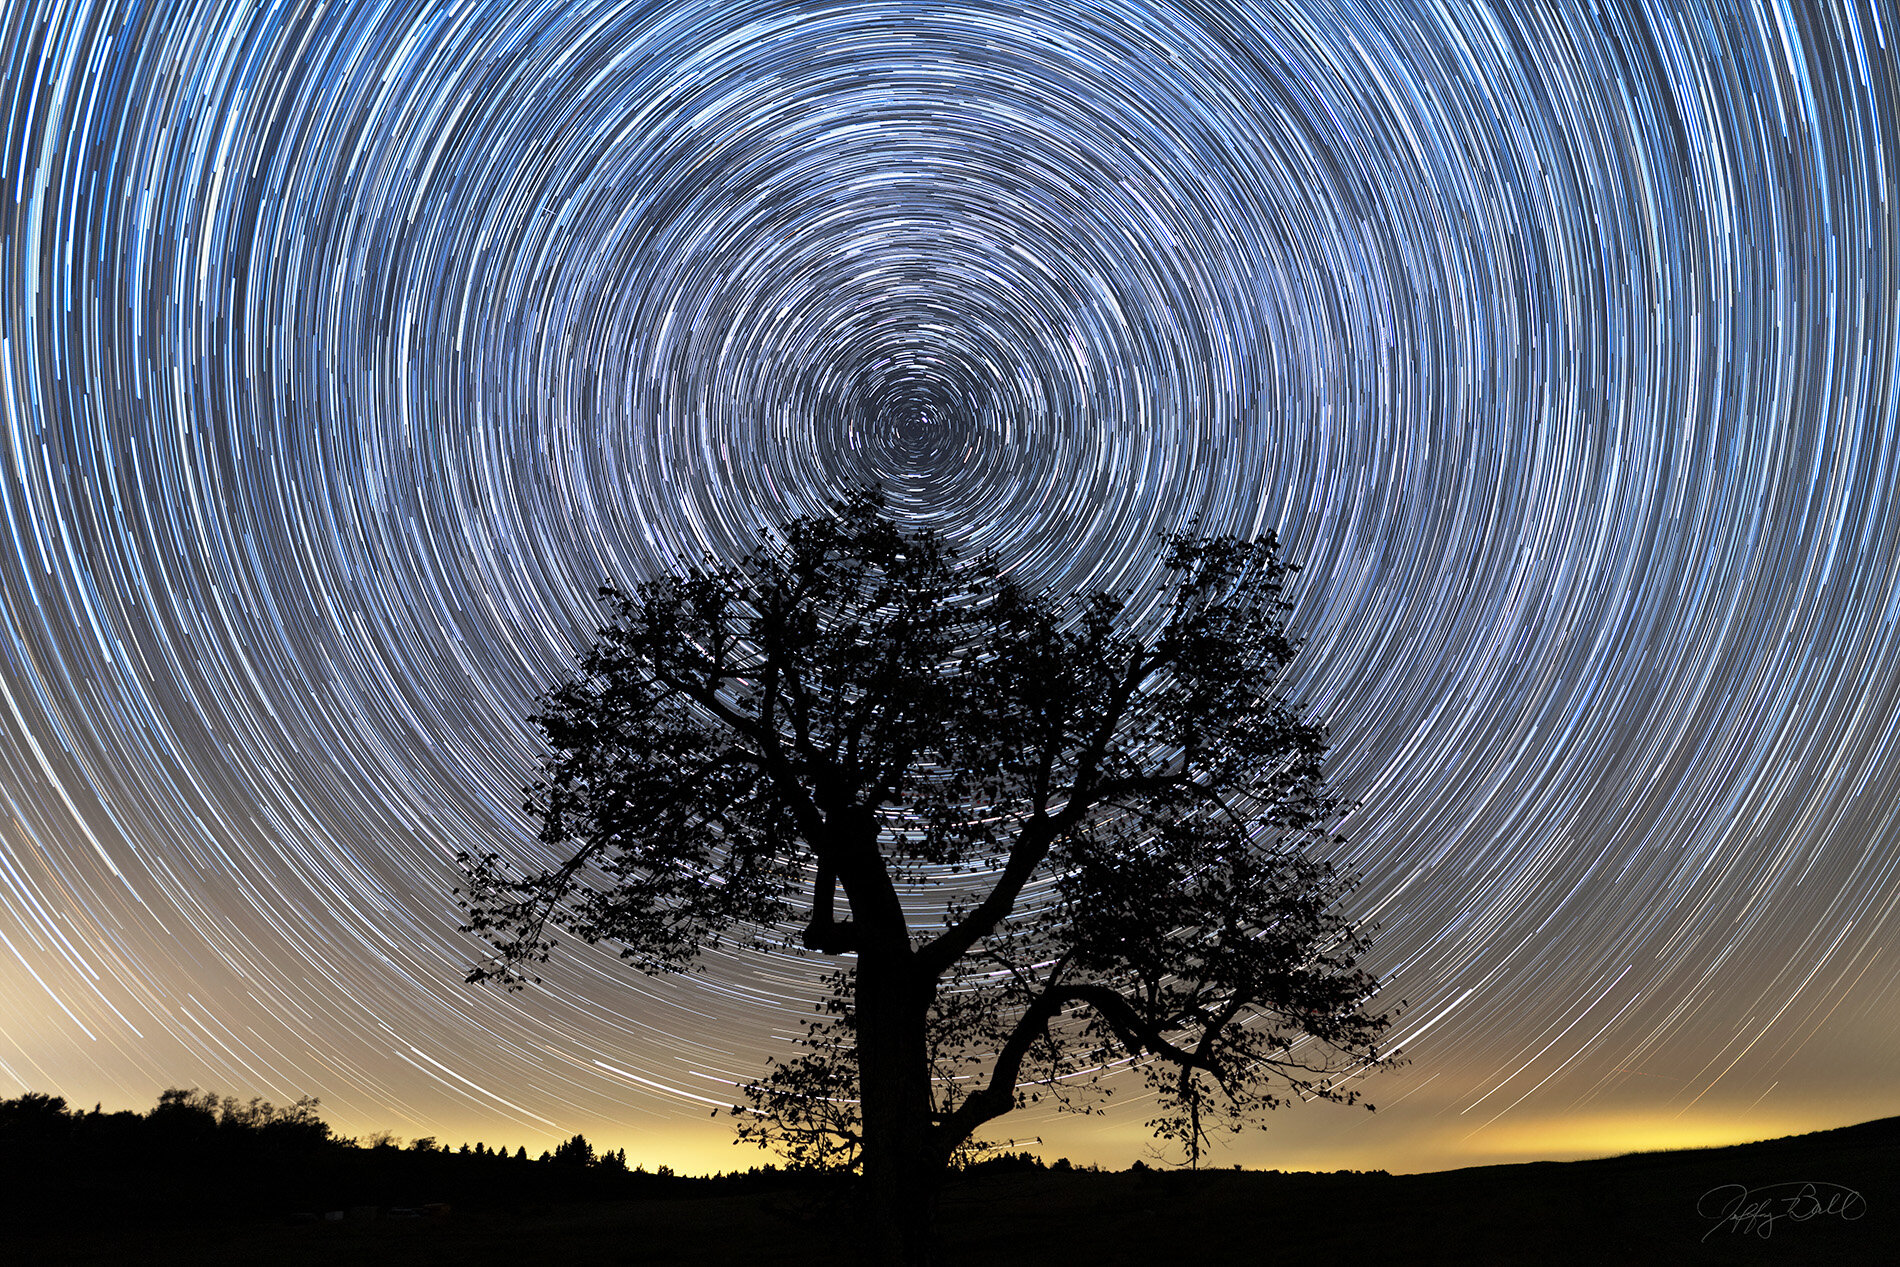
{"x": 345, "y": 349}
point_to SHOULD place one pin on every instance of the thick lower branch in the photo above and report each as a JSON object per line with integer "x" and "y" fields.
{"x": 1137, "y": 1034}
{"x": 1133, "y": 1032}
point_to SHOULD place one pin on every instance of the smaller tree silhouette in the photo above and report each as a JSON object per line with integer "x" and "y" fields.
{"x": 576, "y": 1152}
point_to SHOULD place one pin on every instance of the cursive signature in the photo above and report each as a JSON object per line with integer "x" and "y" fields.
{"x": 1736, "y": 1207}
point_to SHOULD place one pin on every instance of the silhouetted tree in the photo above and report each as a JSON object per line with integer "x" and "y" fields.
{"x": 575, "y": 1152}
{"x": 33, "y": 1120}
{"x": 1064, "y": 840}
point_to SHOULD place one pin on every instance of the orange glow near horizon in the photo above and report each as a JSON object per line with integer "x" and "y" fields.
{"x": 1410, "y": 1137}
{"x": 707, "y": 1147}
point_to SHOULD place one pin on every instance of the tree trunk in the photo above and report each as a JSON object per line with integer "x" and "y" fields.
{"x": 901, "y": 1176}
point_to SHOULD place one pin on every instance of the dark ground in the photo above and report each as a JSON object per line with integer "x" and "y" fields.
{"x": 1627, "y": 1210}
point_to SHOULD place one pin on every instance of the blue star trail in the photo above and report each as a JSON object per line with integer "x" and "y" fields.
{"x": 345, "y": 349}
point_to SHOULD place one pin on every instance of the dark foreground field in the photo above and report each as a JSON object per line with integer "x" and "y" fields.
{"x": 1831, "y": 1197}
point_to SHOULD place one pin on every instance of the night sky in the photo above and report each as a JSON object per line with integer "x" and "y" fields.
{"x": 346, "y": 349}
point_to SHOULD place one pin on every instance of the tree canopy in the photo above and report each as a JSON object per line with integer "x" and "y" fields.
{"x": 1043, "y": 839}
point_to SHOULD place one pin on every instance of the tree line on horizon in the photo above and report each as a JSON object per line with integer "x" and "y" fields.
{"x": 191, "y": 1116}
{"x": 197, "y": 1154}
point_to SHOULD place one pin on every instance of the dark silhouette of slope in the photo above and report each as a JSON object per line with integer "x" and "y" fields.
{"x": 1635, "y": 1209}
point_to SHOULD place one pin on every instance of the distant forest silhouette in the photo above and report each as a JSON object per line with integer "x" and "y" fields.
{"x": 195, "y": 1155}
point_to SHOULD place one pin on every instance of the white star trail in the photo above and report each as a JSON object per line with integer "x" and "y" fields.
{"x": 345, "y": 349}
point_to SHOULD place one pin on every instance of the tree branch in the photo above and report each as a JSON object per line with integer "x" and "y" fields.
{"x": 825, "y": 933}
{"x": 1134, "y": 1033}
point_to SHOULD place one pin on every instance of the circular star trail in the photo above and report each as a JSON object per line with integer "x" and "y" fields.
{"x": 346, "y": 349}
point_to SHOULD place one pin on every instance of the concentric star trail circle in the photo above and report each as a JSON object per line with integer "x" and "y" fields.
{"x": 346, "y": 349}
